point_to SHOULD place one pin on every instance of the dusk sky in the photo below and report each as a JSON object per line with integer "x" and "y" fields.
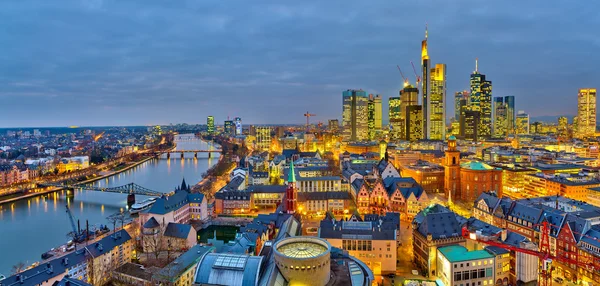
{"x": 117, "y": 62}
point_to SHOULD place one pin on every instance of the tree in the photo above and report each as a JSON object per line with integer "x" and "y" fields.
{"x": 18, "y": 268}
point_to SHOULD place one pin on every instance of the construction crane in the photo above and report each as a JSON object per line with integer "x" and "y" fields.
{"x": 78, "y": 236}
{"x": 308, "y": 115}
{"x": 543, "y": 253}
{"x": 402, "y": 75}
{"x": 416, "y": 75}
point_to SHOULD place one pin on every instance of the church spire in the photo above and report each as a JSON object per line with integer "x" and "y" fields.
{"x": 292, "y": 174}
{"x": 184, "y": 186}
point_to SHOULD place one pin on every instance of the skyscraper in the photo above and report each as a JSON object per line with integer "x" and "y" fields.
{"x": 355, "y": 115}
{"x": 437, "y": 106}
{"x": 509, "y": 101}
{"x": 425, "y": 88}
{"x": 396, "y": 119}
{"x": 457, "y": 107}
{"x": 522, "y": 124}
{"x": 229, "y": 127}
{"x": 238, "y": 126}
{"x": 481, "y": 100}
{"x": 334, "y": 125}
{"x": 563, "y": 127}
{"x": 374, "y": 115}
{"x": 210, "y": 125}
{"x": 409, "y": 96}
{"x": 469, "y": 125}
{"x": 414, "y": 122}
{"x": 500, "y": 117}
{"x": 586, "y": 112}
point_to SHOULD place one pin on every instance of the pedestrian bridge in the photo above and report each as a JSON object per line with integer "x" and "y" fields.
{"x": 129, "y": 189}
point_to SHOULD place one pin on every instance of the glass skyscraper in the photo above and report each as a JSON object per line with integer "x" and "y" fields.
{"x": 355, "y": 115}
{"x": 481, "y": 100}
{"x": 437, "y": 103}
{"x": 210, "y": 125}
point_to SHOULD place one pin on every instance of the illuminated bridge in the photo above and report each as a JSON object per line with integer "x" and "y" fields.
{"x": 129, "y": 189}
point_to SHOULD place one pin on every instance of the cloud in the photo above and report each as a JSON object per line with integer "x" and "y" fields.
{"x": 152, "y": 61}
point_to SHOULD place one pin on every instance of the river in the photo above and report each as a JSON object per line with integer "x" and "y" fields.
{"x": 32, "y": 226}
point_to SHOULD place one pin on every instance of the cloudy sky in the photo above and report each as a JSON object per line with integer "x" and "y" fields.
{"x": 116, "y": 62}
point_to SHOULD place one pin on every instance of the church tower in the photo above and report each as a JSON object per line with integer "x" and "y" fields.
{"x": 290, "y": 192}
{"x": 452, "y": 170}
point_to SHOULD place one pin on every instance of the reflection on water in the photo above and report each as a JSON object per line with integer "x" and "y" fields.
{"x": 32, "y": 226}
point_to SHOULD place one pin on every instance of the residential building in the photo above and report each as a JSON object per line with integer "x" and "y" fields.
{"x": 372, "y": 240}
{"x": 108, "y": 254}
{"x": 586, "y": 113}
{"x": 355, "y": 115}
{"x": 437, "y": 106}
{"x": 180, "y": 207}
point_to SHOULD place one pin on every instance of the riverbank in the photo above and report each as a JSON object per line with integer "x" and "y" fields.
{"x": 52, "y": 190}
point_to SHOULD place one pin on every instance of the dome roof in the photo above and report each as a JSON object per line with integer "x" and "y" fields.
{"x": 476, "y": 166}
{"x": 452, "y": 137}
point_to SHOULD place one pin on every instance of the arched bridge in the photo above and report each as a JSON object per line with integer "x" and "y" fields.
{"x": 128, "y": 189}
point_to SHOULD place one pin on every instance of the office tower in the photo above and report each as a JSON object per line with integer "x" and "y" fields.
{"x": 263, "y": 138}
{"x": 374, "y": 115}
{"x": 437, "y": 106}
{"x": 396, "y": 119}
{"x": 414, "y": 122}
{"x": 334, "y": 125}
{"x": 469, "y": 125}
{"x": 563, "y": 127}
{"x": 457, "y": 107}
{"x": 500, "y": 118}
{"x": 509, "y": 101}
{"x": 536, "y": 128}
{"x": 355, "y": 115}
{"x": 586, "y": 113}
{"x": 252, "y": 130}
{"x": 238, "y": 126}
{"x": 229, "y": 127}
{"x": 425, "y": 88}
{"x": 481, "y": 100}
{"x": 463, "y": 106}
{"x": 210, "y": 125}
{"x": 522, "y": 123}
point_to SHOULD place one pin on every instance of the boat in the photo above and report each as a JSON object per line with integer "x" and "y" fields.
{"x": 2, "y": 277}
{"x": 47, "y": 255}
{"x": 143, "y": 205}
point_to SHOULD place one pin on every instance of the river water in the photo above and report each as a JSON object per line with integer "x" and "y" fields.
{"x": 30, "y": 227}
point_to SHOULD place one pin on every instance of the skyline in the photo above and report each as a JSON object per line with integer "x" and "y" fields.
{"x": 91, "y": 63}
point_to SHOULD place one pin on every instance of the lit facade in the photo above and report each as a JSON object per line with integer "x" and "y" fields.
{"x": 509, "y": 102}
{"x": 229, "y": 127}
{"x": 437, "y": 108}
{"x": 374, "y": 115}
{"x": 414, "y": 123}
{"x": 210, "y": 125}
{"x": 469, "y": 125}
{"x": 456, "y": 264}
{"x": 263, "y": 138}
{"x": 238, "y": 125}
{"x": 586, "y": 113}
{"x": 458, "y": 105}
{"x": 396, "y": 119}
{"x": 500, "y": 118}
{"x": 522, "y": 123}
{"x": 481, "y": 101}
{"x": 334, "y": 125}
{"x": 426, "y": 78}
{"x": 355, "y": 115}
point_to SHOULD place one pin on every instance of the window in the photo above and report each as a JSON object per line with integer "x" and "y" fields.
{"x": 457, "y": 276}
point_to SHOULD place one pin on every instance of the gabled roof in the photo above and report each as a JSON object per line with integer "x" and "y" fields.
{"x": 151, "y": 223}
{"x": 166, "y": 204}
{"x": 106, "y": 244}
{"x": 178, "y": 230}
{"x": 44, "y": 272}
{"x": 440, "y": 222}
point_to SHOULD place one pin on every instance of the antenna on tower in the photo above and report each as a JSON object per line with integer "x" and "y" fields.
{"x": 476, "y": 64}
{"x": 426, "y": 31}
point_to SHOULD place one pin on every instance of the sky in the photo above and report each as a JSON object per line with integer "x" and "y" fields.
{"x": 145, "y": 62}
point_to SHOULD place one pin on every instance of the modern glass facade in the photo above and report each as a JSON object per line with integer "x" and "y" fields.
{"x": 414, "y": 122}
{"x": 481, "y": 100}
{"x": 355, "y": 115}
{"x": 437, "y": 106}
{"x": 586, "y": 113}
{"x": 500, "y": 117}
{"x": 522, "y": 123}
{"x": 210, "y": 125}
{"x": 396, "y": 120}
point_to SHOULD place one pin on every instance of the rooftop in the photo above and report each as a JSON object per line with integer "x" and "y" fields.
{"x": 458, "y": 253}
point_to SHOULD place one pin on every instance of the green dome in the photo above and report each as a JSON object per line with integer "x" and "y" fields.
{"x": 452, "y": 137}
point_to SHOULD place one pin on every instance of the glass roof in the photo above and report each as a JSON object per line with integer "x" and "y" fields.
{"x": 231, "y": 261}
{"x": 302, "y": 249}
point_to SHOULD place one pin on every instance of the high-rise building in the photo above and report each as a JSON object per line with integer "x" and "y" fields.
{"x": 374, "y": 115}
{"x": 263, "y": 138}
{"x": 500, "y": 117}
{"x": 469, "y": 125}
{"x": 334, "y": 125}
{"x": 481, "y": 100}
{"x": 414, "y": 122}
{"x": 563, "y": 127}
{"x": 409, "y": 96}
{"x": 437, "y": 106}
{"x": 522, "y": 123}
{"x": 395, "y": 118}
{"x": 586, "y": 113}
{"x": 509, "y": 101}
{"x": 238, "y": 126}
{"x": 425, "y": 101}
{"x": 457, "y": 103}
{"x": 229, "y": 127}
{"x": 210, "y": 125}
{"x": 355, "y": 115}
